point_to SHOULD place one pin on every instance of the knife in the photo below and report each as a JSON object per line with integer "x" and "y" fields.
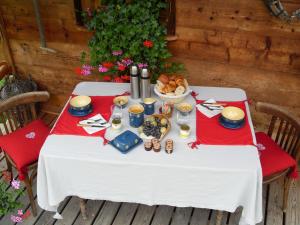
{"x": 89, "y": 125}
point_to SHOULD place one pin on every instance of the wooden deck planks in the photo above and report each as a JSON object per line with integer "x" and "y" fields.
{"x": 114, "y": 213}
{"x": 93, "y": 207}
{"x": 199, "y": 217}
{"x": 144, "y": 215}
{"x": 163, "y": 215}
{"x": 182, "y": 216}
{"x": 70, "y": 213}
{"x": 108, "y": 213}
{"x": 126, "y": 214}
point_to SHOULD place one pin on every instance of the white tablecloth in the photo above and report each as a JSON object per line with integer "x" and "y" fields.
{"x": 214, "y": 177}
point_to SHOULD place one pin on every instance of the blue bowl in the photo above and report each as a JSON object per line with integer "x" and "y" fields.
{"x": 80, "y": 113}
{"x": 232, "y": 121}
{"x": 229, "y": 125}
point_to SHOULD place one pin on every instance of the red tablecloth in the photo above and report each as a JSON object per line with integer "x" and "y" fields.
{"x": 67, "y": 124}
{"x": 209, "y": 131}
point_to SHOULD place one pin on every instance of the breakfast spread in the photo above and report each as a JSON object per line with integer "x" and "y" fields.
{"x": 152, "y": 128}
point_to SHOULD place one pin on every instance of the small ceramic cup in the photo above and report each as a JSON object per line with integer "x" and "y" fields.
{"x": 149, "y": 105}
{"x": 136, "y": 115}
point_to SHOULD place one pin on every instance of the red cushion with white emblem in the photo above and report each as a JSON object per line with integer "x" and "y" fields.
{"x": 274, "y": 159}
{"x": 23, "y": 145}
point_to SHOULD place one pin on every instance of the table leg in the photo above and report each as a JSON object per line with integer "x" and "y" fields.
{"x": 83, "y": 208}
{"x": 219, "y": 217}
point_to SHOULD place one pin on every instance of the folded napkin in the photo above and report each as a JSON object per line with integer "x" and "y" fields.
{"x": 209, "y": 111}
{"x": 96, "y": 120}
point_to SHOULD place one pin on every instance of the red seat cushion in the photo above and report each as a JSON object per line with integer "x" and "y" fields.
{"x": 274, "y": 159}
{"x": 23, "y": 145}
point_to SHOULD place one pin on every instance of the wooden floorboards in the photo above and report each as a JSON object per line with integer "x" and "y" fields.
{"x": 115, "y": 213}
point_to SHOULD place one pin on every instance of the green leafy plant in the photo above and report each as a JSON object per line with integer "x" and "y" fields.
{"x": 8, "y": 201}
{"x": 125, "y": 34}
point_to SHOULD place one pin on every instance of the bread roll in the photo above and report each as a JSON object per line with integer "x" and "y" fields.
{"x": 179, "y": 90}
{"x": 163, "y": 78}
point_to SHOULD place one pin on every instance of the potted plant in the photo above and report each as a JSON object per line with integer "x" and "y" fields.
{"x": 125, "y": 34}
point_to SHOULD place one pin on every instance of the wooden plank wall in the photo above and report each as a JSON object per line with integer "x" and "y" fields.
{"x": 235, "y": 43}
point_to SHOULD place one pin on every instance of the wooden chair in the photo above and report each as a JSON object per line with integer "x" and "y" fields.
{"x": 15, "y": 113}
{"x": 284, "y": 129}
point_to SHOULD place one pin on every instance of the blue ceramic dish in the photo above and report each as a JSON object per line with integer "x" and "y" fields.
{"x": 229, "y": 125}
{"x": 80, "y": 113}
{"x": 126, "y": 141}
{"x": 232, "y": 121}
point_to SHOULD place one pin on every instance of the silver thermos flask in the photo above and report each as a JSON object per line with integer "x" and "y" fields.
{"x": 134, "y": 83}
{"x": 145, "y": 84}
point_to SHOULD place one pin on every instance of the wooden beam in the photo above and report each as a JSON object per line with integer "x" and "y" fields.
{"x": 6, "y": 43}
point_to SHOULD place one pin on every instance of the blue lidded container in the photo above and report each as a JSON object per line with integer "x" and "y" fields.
{"x": 126, "y": 141}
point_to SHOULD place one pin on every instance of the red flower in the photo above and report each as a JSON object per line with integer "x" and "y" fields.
{"x": 108, "y": 64}
{"x": 107, "y": 78}
{"x": 148, "y": 44}
{"x": 121, "y": 67}
{"x": 78, "y": 70}
{"x": 125, "y": 77}
{"x": 118, "y": 80}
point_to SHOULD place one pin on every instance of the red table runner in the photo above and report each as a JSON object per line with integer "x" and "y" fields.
{"x": 209, "y": 131}
{"x": 67, "y": 124}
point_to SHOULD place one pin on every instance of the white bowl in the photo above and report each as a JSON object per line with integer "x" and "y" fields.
{"x": 173, "y": 99}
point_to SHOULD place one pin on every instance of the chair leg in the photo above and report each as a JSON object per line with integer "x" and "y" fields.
{"x": 9, "y": 167}
{"x": 83, "y": 208}
{"x": 30, "y": 195}
{"x": 287, "y": 185}
{"x": 267, "y": 204}
{"x": 219, "y": 217}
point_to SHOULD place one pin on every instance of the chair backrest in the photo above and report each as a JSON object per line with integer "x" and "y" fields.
{"x": 19, "y": 110}
{"x": 284, "y": 128}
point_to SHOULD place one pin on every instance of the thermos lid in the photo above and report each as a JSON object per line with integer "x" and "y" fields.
{"x": 133, "y": 70}
{"x": 145, "y": 73}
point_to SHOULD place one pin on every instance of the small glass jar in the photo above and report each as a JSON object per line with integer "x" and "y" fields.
{"x": 116, "y": 123}
{"x": 185, "y": 131}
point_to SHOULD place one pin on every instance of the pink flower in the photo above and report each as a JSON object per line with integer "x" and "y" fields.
{"x": 127, "y": 62}
{"x": 16, "y": 219}
{"x": 142, "y": 65}
{"x": 102, "y": 69}
{"x": 118, "y": 52}
{"x": 20, "y": 212}
{"x": 15, "y": 184}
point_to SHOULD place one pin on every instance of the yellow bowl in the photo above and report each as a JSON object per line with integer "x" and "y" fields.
{"x": 233, "y": 113}
{"x": 80, "y": 101}
{"x": 121, "y": 101}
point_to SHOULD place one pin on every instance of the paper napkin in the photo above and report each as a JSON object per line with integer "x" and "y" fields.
{"x": 208, "y": 112}
{"x": 100, "y": 120}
